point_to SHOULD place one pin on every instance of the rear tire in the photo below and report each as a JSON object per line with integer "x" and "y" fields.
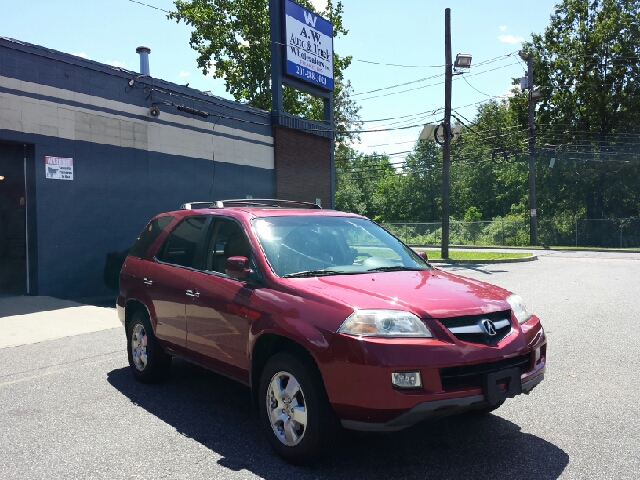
{"x": 294, "y": 410}
{"x": 147, "y": 360}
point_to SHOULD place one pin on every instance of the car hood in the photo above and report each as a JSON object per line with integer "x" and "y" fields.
{"x": 426, "y": 293}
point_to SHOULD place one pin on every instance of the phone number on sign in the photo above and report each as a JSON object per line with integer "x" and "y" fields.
{"x": 311, "y": 75}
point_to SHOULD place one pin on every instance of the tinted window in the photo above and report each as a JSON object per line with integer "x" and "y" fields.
{"x": 149, "y": 235}
{"x": 227, "y": 240}
{"x": 180, "y": 246}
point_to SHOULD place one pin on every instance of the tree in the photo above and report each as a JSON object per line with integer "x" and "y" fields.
{"x": 420, "y": 195}
{"x": 487, "y": 169}
{"x": 587, "y": 63}
{"x": 233, "y": 42}
{"x": 363, "y": 183}
{"x": 473, "y": 216}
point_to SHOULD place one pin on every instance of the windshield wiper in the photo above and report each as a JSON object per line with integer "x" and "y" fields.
{"x": 311, "y": 273}
{"x": 395, "y": 268}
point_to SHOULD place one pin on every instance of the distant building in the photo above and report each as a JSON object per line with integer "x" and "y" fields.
{"x": 85, "y": 162}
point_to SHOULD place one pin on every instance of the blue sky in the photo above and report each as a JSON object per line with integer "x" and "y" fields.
{"x": 405, "y": 32}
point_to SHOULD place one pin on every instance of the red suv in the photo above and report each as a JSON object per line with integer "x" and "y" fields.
{"x": 326, "y": 316}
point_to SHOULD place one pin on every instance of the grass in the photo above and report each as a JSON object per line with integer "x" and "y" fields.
{"x": 472, "y": 255}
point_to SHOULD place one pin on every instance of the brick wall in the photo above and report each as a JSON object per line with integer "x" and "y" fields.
{"x": 302, "y": 164}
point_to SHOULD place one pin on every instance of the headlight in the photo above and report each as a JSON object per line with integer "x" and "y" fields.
{"x": 384, "y": 323}
{"x": 519, "y": 308}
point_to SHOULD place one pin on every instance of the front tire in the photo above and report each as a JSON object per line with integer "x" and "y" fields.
{"x": 294, "y": 410}
{"x": 147, "y": 360}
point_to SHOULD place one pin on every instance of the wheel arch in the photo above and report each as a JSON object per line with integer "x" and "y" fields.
{"x": 269, "y": 344}
{"x": 131, "y": 307}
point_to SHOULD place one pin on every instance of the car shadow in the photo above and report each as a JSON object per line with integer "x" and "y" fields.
{"x": 218, "y": 413}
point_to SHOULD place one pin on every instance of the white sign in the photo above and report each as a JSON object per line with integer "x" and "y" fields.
{"x": 533, "y": 212}
{"x": 309, "y": 45}
{"x": 57, "y": 168}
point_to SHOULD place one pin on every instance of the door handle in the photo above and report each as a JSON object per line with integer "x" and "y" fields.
{"x": 147, "y": 281}
{"x": 191, "y": 293}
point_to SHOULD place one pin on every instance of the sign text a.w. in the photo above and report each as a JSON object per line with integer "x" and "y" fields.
{"x": 309, "y": 46}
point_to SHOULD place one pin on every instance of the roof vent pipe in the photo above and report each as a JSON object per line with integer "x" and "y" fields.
{"x": 144, "y": 60}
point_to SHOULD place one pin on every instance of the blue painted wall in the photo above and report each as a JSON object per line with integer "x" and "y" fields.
{"x": 115, "y": 190}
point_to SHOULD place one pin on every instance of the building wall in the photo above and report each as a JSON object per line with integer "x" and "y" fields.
{"x": 302, "y": 166}
{"x": 128, "y": 166}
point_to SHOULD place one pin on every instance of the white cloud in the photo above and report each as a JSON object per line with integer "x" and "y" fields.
{"x": 511, "y": 91}
{"x": 116, "y": 63}
{"x": 510, "y": 39}
{"x": 184, "y": 74}
{"x": 502, "y": 28}
{"x": 81, "y": 55}
{"x": 319, "y": 5}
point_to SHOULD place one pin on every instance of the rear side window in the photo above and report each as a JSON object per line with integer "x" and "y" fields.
{"x": 149, "y": 235}
{"x": 181, "y": 245}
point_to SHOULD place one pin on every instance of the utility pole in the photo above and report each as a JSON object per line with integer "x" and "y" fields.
{"x": 533, "y": 219}
{"x": 448, "y": 75}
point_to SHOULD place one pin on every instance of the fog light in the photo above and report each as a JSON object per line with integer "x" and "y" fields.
{"x": 537, "y": 355}
{"x": 406, "y": 379}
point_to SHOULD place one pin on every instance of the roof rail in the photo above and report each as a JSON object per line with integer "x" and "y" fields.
{"x": 264, "y": 202}
{"x": 195, "y": 205}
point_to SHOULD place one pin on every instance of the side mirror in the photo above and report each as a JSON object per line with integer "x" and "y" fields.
{"x": 423, "y": 255}
{"x": 238, "y": 267}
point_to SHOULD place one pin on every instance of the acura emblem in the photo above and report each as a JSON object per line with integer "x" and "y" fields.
{"x": 488, "y": 326}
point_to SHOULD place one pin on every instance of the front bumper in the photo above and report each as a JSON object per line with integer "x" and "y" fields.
{"x": 434, "y": 409}
{"x": 456, "y": 374}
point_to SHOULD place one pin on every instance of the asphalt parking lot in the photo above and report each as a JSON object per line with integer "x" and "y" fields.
{"x": 69, "y": 408}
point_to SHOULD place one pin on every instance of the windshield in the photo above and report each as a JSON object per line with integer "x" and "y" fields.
{"x": 314, "y": 245}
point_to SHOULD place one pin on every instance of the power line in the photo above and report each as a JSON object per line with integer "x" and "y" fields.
{"x": 491, "y": 60}
{"x": 467, "y": 81}
{"x": 434, "y": 84}
{"x": 150, "y": 6}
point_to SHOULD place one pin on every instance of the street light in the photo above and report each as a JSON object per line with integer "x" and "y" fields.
{"x": 463, "y": 60}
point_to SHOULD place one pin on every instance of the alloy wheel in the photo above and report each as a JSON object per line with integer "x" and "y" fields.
{"x": 286, "y": 408}
{"x": 139, "y": 346}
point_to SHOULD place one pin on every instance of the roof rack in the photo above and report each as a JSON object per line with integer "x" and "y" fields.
{"x": 264, "y": 202}
{"x": 195, "y": 205}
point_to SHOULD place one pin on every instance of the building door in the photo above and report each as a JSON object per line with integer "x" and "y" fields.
{"x": 13, "y": 208}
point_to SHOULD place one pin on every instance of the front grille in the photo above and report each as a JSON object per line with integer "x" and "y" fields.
{"x": 473, "y": 375}
{"x": 469, "y": 328}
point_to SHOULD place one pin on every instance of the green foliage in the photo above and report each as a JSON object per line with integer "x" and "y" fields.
{"x": 232, "y": 38}
{"x": 472, "y": 217}
{"x": 587, "y": 64}
{"x": 488, "y": 169}
{"x": 371, "y": 184}
{"x": 472, "y": 214}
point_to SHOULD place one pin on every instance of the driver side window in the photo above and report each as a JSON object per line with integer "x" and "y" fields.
{"x": 227, "y": 240}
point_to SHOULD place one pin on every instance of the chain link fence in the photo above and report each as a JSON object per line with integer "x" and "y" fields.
{"x": 606, "y": 233}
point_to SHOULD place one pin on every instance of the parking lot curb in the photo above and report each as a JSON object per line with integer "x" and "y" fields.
{"x": 484, "y": 262}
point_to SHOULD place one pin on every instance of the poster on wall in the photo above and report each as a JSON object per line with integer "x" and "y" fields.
{"x": 57, "y": 168}
{"x": 309, "y": 46}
